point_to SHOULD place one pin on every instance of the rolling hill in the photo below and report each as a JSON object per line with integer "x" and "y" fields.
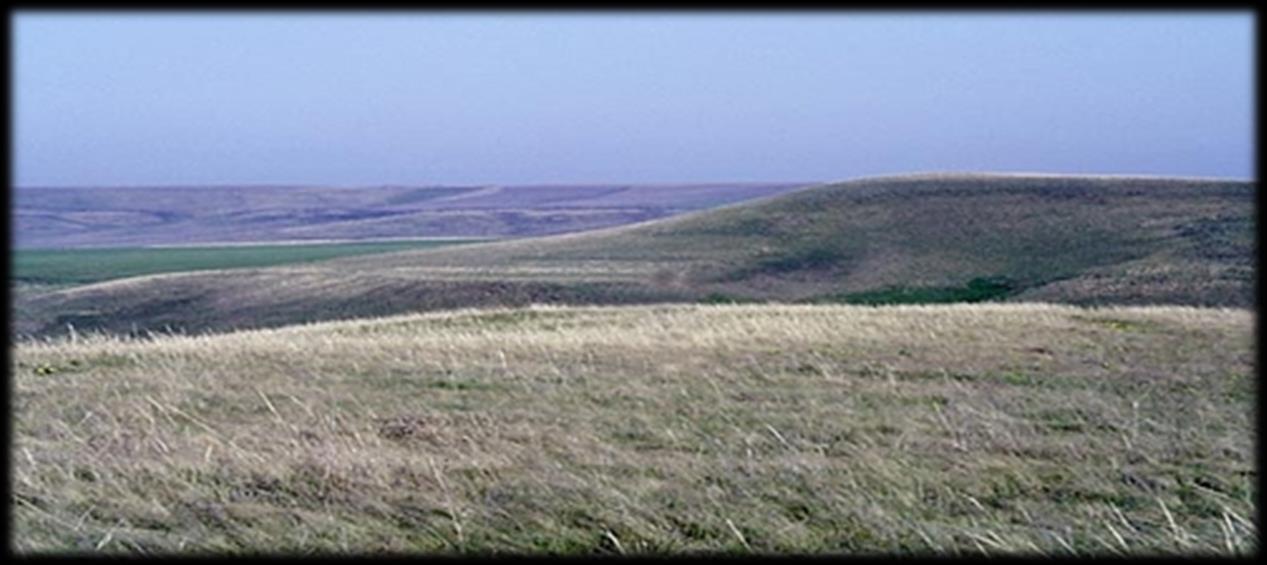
{"x": 1088, "y": 240}
{"x": 132, "y": 216}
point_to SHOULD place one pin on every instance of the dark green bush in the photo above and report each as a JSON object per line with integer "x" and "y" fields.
{"x": 979, "y": 289}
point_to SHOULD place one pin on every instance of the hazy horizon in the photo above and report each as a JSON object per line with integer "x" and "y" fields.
{"x": 417, "y": 98}
{"x": 600, "y": 184}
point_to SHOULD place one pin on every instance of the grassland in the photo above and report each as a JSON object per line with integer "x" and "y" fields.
{"x": 62, "y": 267}
{"x": 954, "y": 429}
{"x": 1087, "y": 240}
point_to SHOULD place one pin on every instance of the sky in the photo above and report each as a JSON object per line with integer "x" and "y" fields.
{"x": 418, "y": 98}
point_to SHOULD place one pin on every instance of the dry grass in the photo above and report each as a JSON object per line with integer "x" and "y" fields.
{"x": 950, "y": 429}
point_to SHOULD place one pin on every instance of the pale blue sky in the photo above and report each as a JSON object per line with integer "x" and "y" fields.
{"x": 515, "y": 98}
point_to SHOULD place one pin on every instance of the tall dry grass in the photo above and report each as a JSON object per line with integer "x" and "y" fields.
{"x": 949, "y": 429}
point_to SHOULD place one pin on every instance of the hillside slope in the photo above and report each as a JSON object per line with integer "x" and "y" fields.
{"x": 935, "y": 237}
{"x": 131, "y": 216}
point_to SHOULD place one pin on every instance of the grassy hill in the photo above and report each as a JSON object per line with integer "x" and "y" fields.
{"x": 950, "y": 429}
{"x": 918, "y": 238}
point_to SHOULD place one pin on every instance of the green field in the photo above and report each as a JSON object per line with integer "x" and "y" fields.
{"x": 83, "y": 266}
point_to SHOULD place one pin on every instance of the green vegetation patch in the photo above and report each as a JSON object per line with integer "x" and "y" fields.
{"x": 84, "y": 266}
{"x": 980, "y": 289}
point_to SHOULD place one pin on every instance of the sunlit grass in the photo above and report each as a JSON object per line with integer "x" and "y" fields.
{"x": 993, "y": 428}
